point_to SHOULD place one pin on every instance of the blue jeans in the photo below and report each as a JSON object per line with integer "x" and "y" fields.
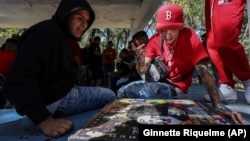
{"x": 147, "y": 90}
{"x": 81, "y": 99}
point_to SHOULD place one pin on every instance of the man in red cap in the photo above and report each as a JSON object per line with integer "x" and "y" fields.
{"x": 223, "y": 24}
{"x": 182, "y": 52}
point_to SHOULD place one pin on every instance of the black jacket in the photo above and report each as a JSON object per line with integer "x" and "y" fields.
{"x": 43, "y": 69}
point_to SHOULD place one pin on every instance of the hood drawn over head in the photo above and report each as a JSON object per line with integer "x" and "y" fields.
{"x": 66, "y": 7}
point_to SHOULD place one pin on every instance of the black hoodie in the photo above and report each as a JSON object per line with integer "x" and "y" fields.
{"x": 42, "y": 72}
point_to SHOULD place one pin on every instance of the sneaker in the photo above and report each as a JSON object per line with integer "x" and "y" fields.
{"x": 227, "y": 94}
{"x": 247, "y": 90}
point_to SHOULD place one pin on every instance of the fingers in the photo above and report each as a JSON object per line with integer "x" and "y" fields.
{"x": 55, "y": 134}
{"x": 56, "y": 127}
{"x": 237, "y": 118}
{"x": 137, "y": 43}
{"x": 64, "y": 127}
{"x": 134, "y": 46}
{"x": 61, "y": 130}
{"x": 234, "y": 116}
{"x": 138, "y": 48}
{"x": 140, "y": 51}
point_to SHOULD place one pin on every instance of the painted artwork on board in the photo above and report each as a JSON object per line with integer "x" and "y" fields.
{"x": 119, "y": 120}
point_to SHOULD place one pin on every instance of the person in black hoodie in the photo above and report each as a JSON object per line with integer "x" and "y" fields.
{"x": 42, "y": 83}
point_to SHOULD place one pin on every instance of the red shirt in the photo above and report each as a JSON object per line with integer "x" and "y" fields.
{"x": 109, "y": 56}
{"x": 188, "y": 51}
{"x": 6, "y": 60}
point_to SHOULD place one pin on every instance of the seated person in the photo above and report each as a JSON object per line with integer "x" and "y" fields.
{"x": 41, "y": 83}
{"x": 133, "y": 75}
{"x": 7, "y": 56}
{"x": 122, "y": 73}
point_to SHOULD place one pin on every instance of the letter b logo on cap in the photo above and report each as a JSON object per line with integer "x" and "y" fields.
{"x": 168, "y": 15}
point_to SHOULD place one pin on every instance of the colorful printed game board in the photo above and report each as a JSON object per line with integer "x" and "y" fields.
{"x": 119, "y": 120}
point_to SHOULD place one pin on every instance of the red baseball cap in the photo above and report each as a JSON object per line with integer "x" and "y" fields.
{"x": 169, "y": 16}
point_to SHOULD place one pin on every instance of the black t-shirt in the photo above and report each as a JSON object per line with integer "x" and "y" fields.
{"x": 85, "y": 54}
{"x": 94, "y": 60}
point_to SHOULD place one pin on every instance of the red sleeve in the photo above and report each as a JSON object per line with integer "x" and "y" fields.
{"x": 152, "y": 47}
{"x": 199, "y": 51}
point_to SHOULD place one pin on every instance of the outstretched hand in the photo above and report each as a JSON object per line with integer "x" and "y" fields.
{"x": 56, "y": 127}
{"x": 235, "y": 116}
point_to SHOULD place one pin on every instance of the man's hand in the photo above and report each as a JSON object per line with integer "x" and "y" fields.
{"x": 56, "y": 127}
{"x": 139, "y": 50}
{"x": 235, "y": 116}
{"x": 209, "y": 83}
{"x": 142, "y": 62}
